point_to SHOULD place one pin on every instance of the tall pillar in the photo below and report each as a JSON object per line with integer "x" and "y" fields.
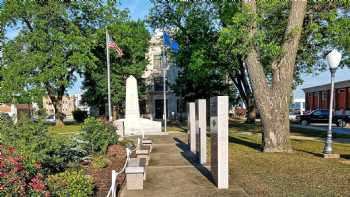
{"x": 201, "y": 130}
{"x": 219, "y": 140}
{"x": 191, "y": 122}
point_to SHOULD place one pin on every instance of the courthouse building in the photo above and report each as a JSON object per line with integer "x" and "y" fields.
{"x": 68, "y": 106}
{"x": 318, "y": 97}
{"x": 153, "y": 76}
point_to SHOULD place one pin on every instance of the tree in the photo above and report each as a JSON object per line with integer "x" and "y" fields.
{"x": 132, "y": 37}
{"x": 273, "y": 100}
{"x": 192, "y": 25}
{"x": 207, "y": 65}
{"x": 267, "y": 35}
{"x": 233, "y": 63}
{"x": 54, "y": 44}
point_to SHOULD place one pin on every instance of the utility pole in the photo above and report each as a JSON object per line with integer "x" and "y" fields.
{"x": 108, "y": 78}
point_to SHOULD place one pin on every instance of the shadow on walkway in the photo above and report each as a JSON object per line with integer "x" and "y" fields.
{"x": 345, "y": 156}
{"x": 192, "y": 158}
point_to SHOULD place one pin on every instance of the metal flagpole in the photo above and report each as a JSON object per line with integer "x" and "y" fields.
{"x": 165, "y": 64}
{"x": 108, "y": 78}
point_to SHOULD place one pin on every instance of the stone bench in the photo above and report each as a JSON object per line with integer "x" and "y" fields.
{"x": 134, "y": 177}
{"x": 147, "y": 143}
{"x": 143, "y": 154}
{"x": 138, "y": 162}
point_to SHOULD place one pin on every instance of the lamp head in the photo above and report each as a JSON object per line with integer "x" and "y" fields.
{"x": 333, "y": 59}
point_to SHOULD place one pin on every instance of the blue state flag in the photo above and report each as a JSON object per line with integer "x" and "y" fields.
{"x": 172, "y": 44}
{"x": 166, "y": 39}
{"x": 175, "y": 47}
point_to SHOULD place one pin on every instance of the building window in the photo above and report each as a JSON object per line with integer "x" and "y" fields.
{"x": 158, "y": 84}
{"x": 324, "y": 95}
{"x": 157, "y": 61}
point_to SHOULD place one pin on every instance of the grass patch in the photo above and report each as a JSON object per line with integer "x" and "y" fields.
{"x": 177, "y": 129}
{"x": 241, "y": 126}
{"x": 65, "y": 130}
{"x": 301, "y": 173}
{"x": 314, "y": 133}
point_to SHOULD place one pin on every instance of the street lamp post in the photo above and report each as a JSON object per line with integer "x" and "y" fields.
{"x": 333, "y": 59}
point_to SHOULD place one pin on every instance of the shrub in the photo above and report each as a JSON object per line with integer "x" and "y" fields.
{"x": 71, "y": 183}
{"x": 34, "y": 143}
{"x": 79, "y": 115}
{"x": 99, "y": 161}
{"x": 17, "y": 178}
{"x": 97, "y": 136}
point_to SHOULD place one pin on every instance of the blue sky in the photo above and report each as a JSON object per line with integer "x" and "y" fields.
{"x": 139, "y": 10}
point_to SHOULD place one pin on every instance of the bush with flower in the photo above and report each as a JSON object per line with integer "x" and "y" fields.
{"x": 18, "y": 178}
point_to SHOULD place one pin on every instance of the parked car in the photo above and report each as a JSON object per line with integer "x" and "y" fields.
{"x": 293, "y": 114}
{"x": 322, "y": 116}
{"x": 51, "y": 119}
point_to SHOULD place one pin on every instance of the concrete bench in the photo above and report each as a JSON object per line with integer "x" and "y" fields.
{"x": 138, "y": 162}
{"x": 143, "y": 153}
{"x": 134, "y": 177}
{"x": 147, "y": 143}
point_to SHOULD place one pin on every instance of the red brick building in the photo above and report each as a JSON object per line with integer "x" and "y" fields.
{"x": 318, "y": 97}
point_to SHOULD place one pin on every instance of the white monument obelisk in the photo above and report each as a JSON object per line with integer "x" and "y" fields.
{"x": 133, "y": 124}
{"x": 132, "y": 108}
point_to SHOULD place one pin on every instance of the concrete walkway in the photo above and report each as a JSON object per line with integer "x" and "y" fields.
{"x": 298, "y": 137}
{"x": 173, "y": 171}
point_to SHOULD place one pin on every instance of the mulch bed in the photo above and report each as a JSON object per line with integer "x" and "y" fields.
{"x": 102, "y": 177}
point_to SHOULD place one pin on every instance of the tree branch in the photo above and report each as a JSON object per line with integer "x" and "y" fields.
{"x": 255, "y": 69}
{"x": 283, "y": 68}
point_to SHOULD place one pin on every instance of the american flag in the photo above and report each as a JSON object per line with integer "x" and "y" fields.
{"x": 112, "y": 45}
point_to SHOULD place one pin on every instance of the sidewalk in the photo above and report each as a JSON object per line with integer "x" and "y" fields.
{"x": 173, "y": 172}
{"x": 323, "y": 127}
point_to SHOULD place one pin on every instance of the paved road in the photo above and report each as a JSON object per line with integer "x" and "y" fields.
{"x": 324, "y": 127}
{"x": 173, "y": 172}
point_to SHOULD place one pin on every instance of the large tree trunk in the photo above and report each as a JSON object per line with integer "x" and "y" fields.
{"x": 272, "y": 99}
{"x": 57, "y": 103}
{"x": 251, "y": 109}
{"x": 58, "y": 113}
{"x": 241, "y": 82}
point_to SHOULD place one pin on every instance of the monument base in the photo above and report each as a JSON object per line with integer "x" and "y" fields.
{"x": 331, "y": 156}
{"x": 138, "y": 126}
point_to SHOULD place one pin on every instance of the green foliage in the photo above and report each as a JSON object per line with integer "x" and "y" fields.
{"x": 79, "y": 115}
{"x": 326, "y": 26}
{"x": 53, "y": 43}
{"x": 97, "y": 136}
{"x": 132, "y": 37}
{"x": 194, "y": 26}
{"x": 35, "y": 144}
{"x": 57, "y": 41}
{"x": 71, "y": 183}
{"x": 99, "y": 161}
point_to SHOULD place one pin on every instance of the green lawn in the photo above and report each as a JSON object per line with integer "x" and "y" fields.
{"x": 65, "y": 130}
{"x": 301, "y": 173}
{"x": 240, "y": 126}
